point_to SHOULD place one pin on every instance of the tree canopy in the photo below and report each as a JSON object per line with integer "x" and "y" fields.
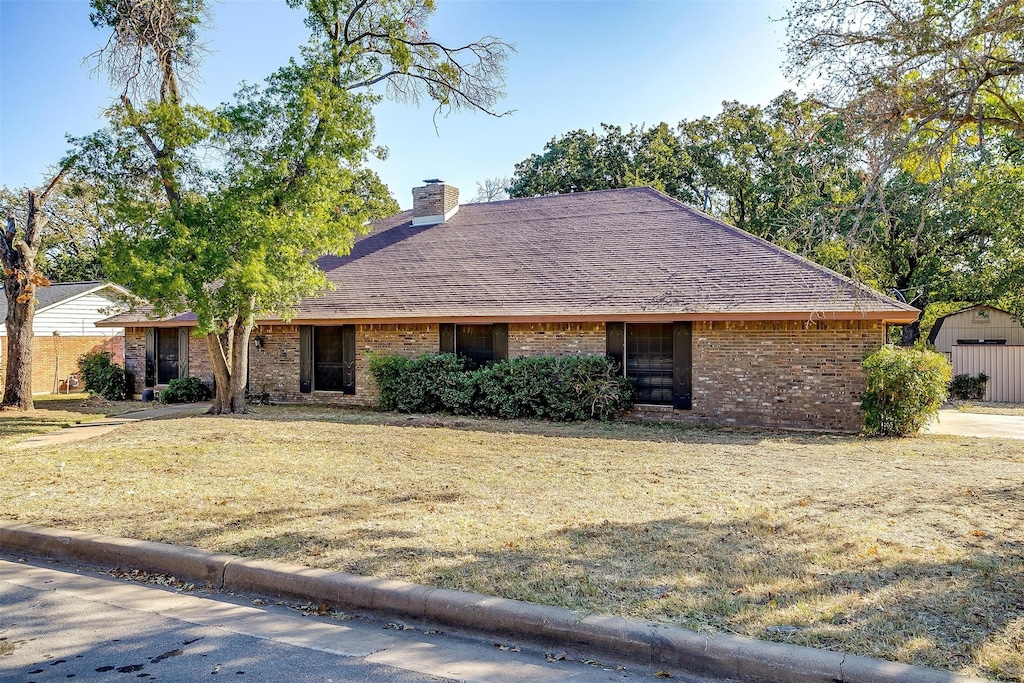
{"x": 223, "y": 211}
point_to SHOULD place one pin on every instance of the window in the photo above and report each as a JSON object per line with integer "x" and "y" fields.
{"x": 649, "y": 361}
{"x": 334, "y": 358}
{"x": 166, "y": 354}
{"x": 657, "y": 357}
{"x": 480, "y": 343}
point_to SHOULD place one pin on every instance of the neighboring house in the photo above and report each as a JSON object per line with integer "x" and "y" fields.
{"x": 711, "y": 323}
{"x": 65, "y": 329}
{"x": 984, "y": 339}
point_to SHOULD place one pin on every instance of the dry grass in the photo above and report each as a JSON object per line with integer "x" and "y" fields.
{"x": 55, "y": 412}
{"x": 911, "y": 550}
{"x": 989, "y": 408}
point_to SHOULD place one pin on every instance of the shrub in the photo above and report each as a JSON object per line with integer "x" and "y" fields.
{"x": 184, "y": 390}
{"x": 432, "y": 383}
{"x": 575, "y": 388}
{"x": 905, "y": 388}
{"x": 388, "y": 372}
{"x": 968, "y": 387}
{"x": 102, "y": 376}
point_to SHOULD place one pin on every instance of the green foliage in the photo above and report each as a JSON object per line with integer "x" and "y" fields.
{"x": 905, "y": 388}
{"x": 101, "y": 376}
{"x": 185, "y": 390}
{"x": 441, "y": 382}
{"x": 563, "y": 389}
{"x": 968, "y": 387}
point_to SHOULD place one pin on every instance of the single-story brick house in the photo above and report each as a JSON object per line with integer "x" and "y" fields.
{"x": 712, "y": 323}
{"x": 64, "y": 329}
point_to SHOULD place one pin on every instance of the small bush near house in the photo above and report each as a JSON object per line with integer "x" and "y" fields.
{"x": 184, "y": 390}
{"x": 968, "y": 387}
{"x": 563, "y": 389}
{"x": 102, "y": 376}
{"x": 432, "y": 383}
{"x": 905, "y": 388}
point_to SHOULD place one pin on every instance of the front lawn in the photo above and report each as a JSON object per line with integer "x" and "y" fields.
{"x": 910, "y": 550}
{"x": 53, "y": 412}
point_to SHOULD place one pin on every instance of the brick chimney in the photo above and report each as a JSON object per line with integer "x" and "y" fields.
{"x": 434, "y": 203}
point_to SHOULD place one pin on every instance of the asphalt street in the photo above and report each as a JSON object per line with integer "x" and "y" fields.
{"x": 60, "y": 623}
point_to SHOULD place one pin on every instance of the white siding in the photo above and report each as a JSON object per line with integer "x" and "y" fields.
{"x": 77, "y": 317}
{"x": 1004, "y": 366}
{"x": 978, "y": 323}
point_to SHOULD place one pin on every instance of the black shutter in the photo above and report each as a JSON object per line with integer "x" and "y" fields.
{"x": 615, "y": 342}
{"x": 682, "y": 362}
{"x": 305, "y": 358}
{"x": 150, "y": 356}
{"x": 348, "y": 356}
{"x": 500, "y": 332}
{"x": 446, "y": 334}
{"x": 183, "y": 352}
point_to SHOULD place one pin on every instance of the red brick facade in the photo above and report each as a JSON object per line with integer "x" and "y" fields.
{"x": 54, "y": 358}
{"x": 774, "y": 374}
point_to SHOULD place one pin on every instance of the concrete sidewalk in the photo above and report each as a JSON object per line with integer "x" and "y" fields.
{"x": 87, "y": 430}
{"x": 958, "y": 423}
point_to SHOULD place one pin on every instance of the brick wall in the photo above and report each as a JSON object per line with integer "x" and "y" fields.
{"x": 275, "y": 368}
{"x": 555, "y": 339}
{"x": 774, "y": 374}
{"x": 778, "y": 374}
{"x": 54, "y": 358}
{"x": 135, "y": 355}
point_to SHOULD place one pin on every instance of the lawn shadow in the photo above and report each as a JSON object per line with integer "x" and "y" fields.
{"x": 622, "y": 430}
{"x": 766, "y": 580}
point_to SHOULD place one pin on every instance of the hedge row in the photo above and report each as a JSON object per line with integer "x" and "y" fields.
{"x": 563, "y": 389}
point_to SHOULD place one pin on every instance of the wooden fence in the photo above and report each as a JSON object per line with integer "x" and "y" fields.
{"x": 1004, "y": 366}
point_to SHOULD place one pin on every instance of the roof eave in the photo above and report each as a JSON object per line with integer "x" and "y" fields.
{"x": 893, "y": 317}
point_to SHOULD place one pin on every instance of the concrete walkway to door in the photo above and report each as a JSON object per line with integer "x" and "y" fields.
{"x": 87, "y": 430}
{"x": 953, "y": 421}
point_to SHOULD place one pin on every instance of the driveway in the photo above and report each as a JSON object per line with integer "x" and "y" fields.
{"x": 953, "y": 421}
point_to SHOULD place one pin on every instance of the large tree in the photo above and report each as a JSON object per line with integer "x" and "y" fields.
{"x": 581, "y": 161}
{"x": 19, "y": 247}
{"x": 78, "y": 221}
{"x": 921, "y": 75}
{"x": 230, "y": 207}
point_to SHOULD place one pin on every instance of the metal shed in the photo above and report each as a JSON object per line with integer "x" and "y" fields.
{"x": 985, "y": 339}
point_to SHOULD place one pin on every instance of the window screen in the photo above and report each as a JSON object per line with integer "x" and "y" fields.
{"x": 476, "y": 342}
{"x": 649, "y": 361}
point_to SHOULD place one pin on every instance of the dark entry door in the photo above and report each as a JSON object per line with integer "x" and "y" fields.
{"x": 167, "y": 354}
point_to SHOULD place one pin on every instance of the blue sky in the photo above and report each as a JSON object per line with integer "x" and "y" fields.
{"x": 579, "y": 63}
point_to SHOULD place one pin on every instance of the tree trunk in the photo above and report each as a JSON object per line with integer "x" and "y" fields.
{"x": 229, "y": 352}
{"x": 18, "y": 363}
{"x": 911, "y": 333}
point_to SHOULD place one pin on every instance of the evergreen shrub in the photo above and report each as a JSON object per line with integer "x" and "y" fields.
{"x": 968, "y": 387}
{"x": 184, "y": 390}
{"x": 563, "y": 389}
{"x": 905, "y": 388}
{"x": 102, "y": 376}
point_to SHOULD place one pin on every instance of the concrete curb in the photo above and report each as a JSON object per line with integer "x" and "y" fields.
{"x": 710, "y": 654}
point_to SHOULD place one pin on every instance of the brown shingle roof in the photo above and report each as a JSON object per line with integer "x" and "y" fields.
{"x": 614, "y": 254}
